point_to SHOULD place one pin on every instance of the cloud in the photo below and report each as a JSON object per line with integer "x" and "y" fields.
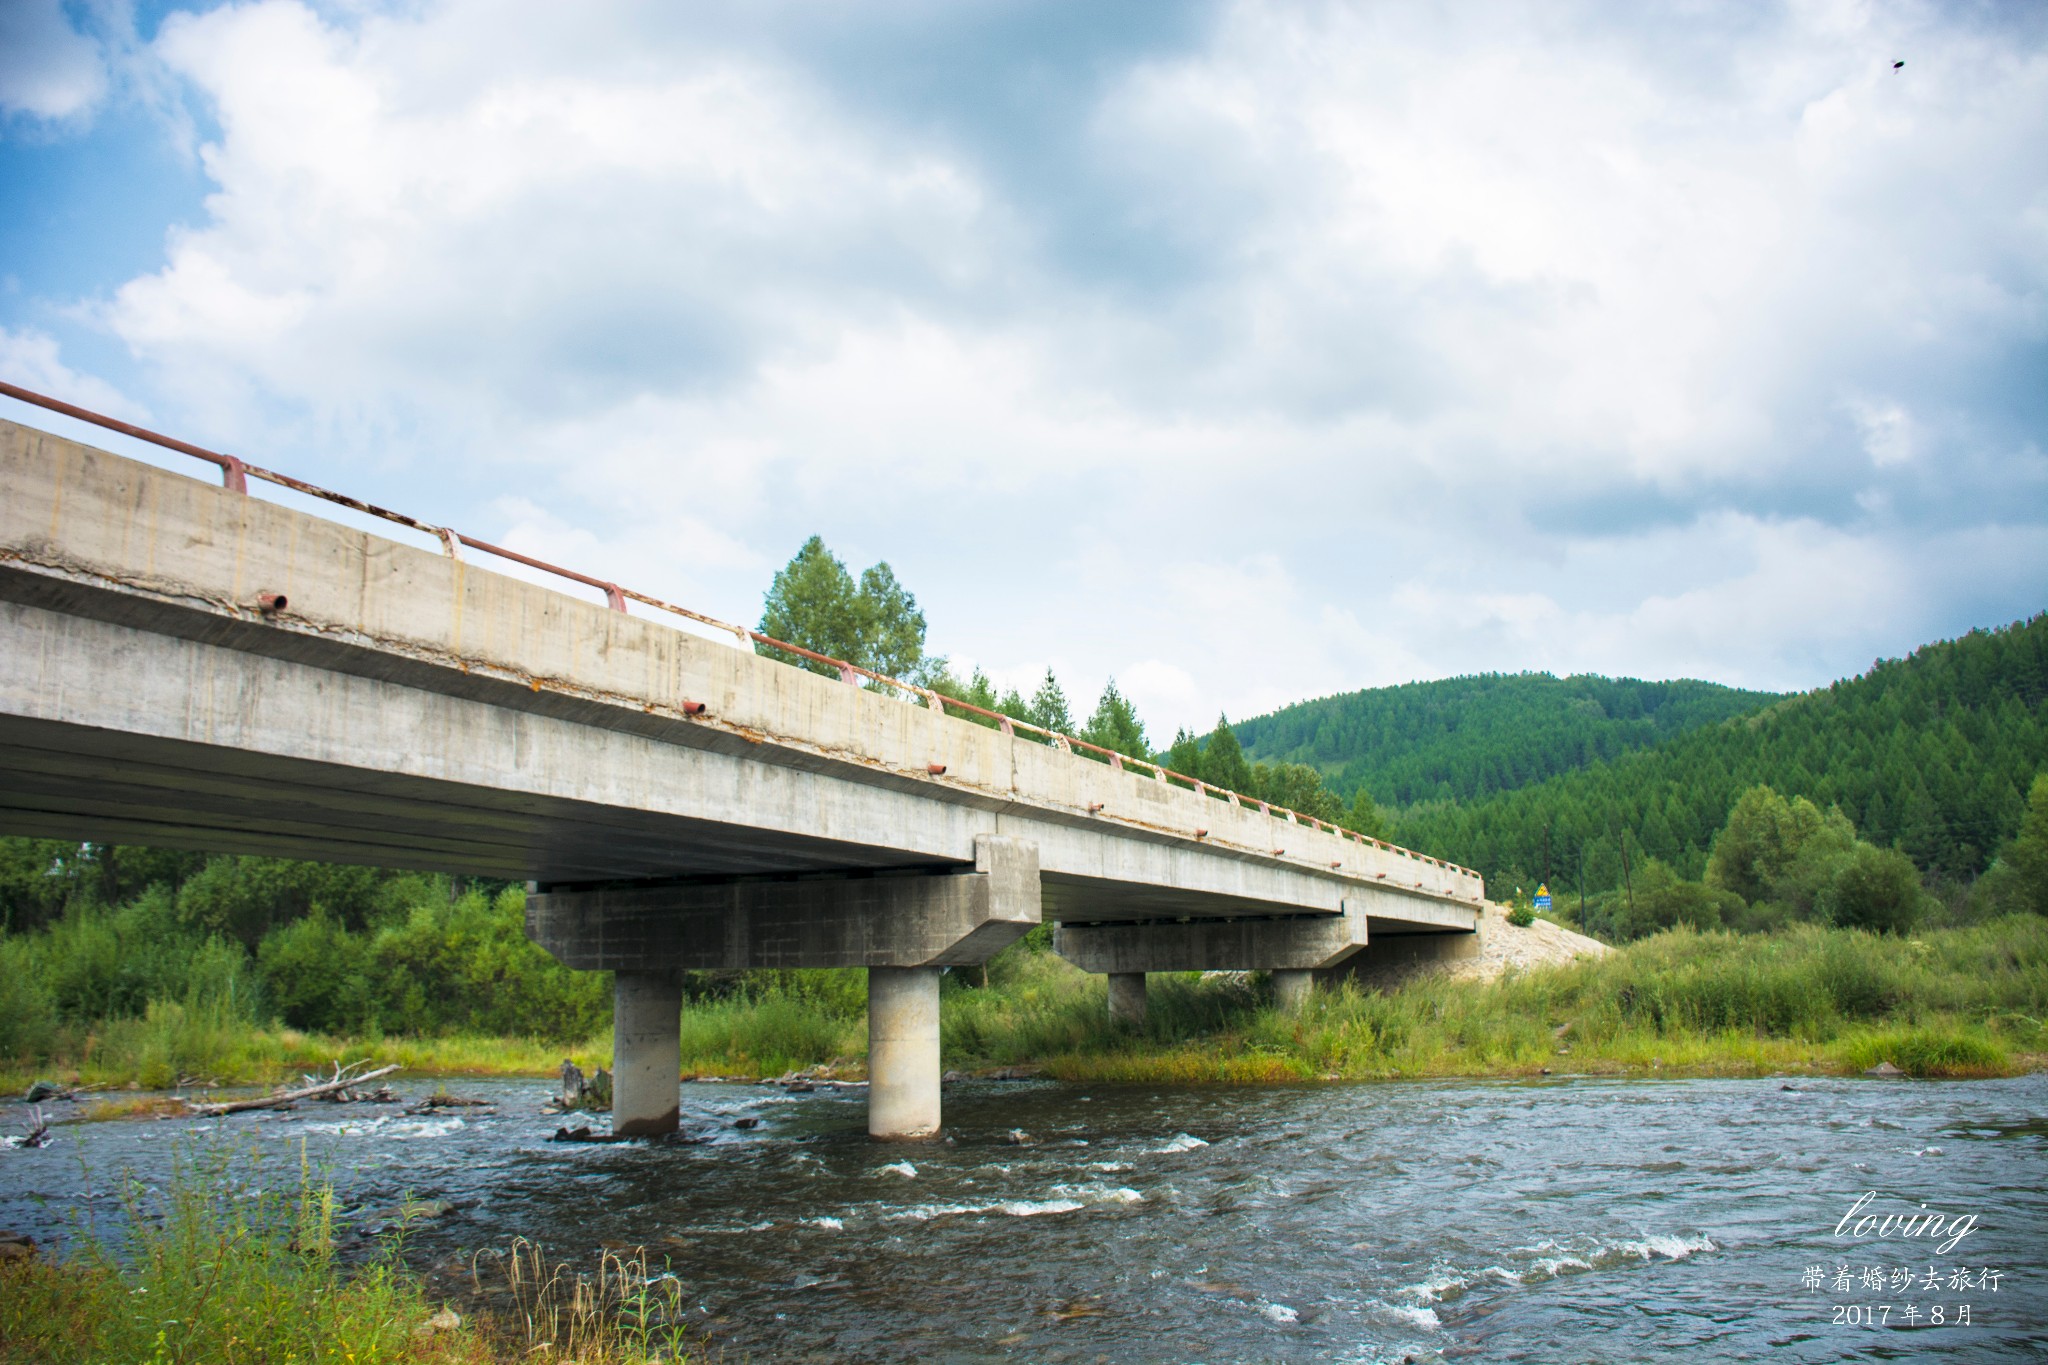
{"x": 1242, "y": 352}
{"x": 48, "y": 70}
{"x": 30, "y": 358}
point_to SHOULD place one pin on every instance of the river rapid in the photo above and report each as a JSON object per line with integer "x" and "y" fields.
{"x": 1560, "y": 1220}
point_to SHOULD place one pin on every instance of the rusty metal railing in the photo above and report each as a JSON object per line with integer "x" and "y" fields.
{"x": 236, "y": 473}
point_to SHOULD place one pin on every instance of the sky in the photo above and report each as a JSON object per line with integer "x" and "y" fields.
{"x": 1243, "y": 353}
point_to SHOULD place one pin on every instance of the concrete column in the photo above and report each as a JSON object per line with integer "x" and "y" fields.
{"x": 1291, "y": 988}
{"x": 903, "y": 1052}
{"x": 1127, "y": 999}
{"x": 647, "y": 1053}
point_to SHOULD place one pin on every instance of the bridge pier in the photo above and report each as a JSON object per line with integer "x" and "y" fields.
{"x": 1127, "y": 999}
{"x": 1291, "y": 988}
{"x": 647, "y": 1050}
{"x": 903, "y": 1052}
{"x": 904, "y": 927}
{"x": 1290, "y": 947}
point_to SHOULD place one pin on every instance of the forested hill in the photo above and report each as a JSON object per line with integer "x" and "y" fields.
{"x": 1463, "y": 738}
{"x": 1932, "y": 753}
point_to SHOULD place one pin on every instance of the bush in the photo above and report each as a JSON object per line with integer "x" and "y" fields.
{"x": 1927, "y": 1052}
{"x": 1875, "y": 888}
{"x": 245, "y": 898}
{"x": 315, "y": 976}
{"x": 28, "y": 1011}
{"x": 470, "y": 966}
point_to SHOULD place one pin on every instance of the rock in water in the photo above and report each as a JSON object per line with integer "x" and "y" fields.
{"x": 1884, "y": 1069}
{"x": 43, "y": 1090}
{"x": 598, "y": 1094}
{"x": 572, "y": 1084}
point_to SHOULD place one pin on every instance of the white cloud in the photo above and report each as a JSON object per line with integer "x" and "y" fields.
{"x": 48, "y": 70}
{"x": 1334, "y": 347}
{"x": 1888, "y": 432}
{"x": 31, "y": 359}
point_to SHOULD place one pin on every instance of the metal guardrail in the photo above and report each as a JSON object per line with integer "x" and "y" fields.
{"x": 236, "y": 473}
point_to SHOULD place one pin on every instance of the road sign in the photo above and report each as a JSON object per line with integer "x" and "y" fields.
{"x": 1543, "y": 897}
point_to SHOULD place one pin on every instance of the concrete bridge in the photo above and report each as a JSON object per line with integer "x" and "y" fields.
{"x": 184, "y": 665}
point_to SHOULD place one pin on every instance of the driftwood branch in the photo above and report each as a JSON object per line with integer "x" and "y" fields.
{"x": 284, "y": 1097}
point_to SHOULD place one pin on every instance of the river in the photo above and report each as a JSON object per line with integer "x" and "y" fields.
{"x": 1567, "y": 1219}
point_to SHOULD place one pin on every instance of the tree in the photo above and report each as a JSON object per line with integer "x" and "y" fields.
{"x": 814, "y": 602}
{"x": 1223, "y": 761}
{"x": 1664, "y": 901}
{"x": 2027, "y": 854}
{"x": 1756, "y": 847}
{"x": 1049, "y": 709}
{"x": 1115, "y": 725}
{"x": 1875, "y": 888}
{"x": 1296, "y": 786}
{"x": 1365, "y": 817}
{"x": 1185, "y": 757}
{"x": 978, "y": 690}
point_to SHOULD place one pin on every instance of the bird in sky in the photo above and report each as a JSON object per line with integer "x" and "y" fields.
{"x": 1897, "y": 65}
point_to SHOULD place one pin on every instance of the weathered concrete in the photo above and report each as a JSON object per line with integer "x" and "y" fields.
{"x": 1127, "y": 999}
{"x": 1291, "y": 989}
{"x": 411, "y": 710}
{"x": 1295, "y": 942}
{"x": 902, "y": 927}
{"x": 647, "y": 1057}
{"x": 1394, "y": 958}
{"x": 903, "y": 1052}
{"x": 189, "y": 667}
{"x": 1494, "y": 948}
{"x": 942, "y": 918}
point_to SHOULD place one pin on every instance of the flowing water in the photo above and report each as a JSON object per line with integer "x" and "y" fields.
{"x": 1561, "y": 1220}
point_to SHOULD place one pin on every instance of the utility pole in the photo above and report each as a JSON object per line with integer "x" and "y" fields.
{"x": 1584, "y": 927}
{"x": 1626, "y": 881}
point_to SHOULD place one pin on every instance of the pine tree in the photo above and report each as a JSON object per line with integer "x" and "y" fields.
{"x": 1115, "y": 725}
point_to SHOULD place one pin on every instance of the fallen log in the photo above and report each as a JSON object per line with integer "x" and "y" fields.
{"x": 284, "y": 1097}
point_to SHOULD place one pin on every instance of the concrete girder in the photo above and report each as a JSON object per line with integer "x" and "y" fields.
{"x": 947, "y": 919}
{"x": 1299, "y": 943}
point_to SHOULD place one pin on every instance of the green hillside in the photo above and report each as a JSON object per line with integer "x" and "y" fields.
{"x": 1462, "y": 738}
{"x": 1932, "y": 754}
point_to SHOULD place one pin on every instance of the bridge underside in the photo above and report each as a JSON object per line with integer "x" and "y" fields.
{"x": 75, "y": 782}
{"x": 71, "y": 782}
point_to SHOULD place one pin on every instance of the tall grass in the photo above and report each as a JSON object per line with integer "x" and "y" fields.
{"x": 173, "y": 1044}
{"x": 1957, "y": 1001}
{"x": 216, "y": 1273}
{"x": 1952, "y": 1002}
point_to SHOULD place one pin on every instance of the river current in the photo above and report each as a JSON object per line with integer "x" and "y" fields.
{"x": 1560, "y": 1220}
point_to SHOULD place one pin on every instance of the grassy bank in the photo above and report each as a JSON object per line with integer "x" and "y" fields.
{"x": 214, "y": 1273}
{"x": 1950, "y": 1002}
{"x": 1955, "y": 1002}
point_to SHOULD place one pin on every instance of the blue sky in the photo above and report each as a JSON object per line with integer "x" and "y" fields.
{"x": 1242, "y": 352}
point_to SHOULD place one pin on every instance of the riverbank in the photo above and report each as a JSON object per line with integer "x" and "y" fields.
{"x": 1952, "y": 1002}
{"x": 212, "y": 1269}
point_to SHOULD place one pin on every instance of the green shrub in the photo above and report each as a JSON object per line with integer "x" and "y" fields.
{"x": 1874, "y": 888}
{"x": 316, "y": 977}
{"x": 28, "y": 1011}
{"x": 1929, "y": 1052}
